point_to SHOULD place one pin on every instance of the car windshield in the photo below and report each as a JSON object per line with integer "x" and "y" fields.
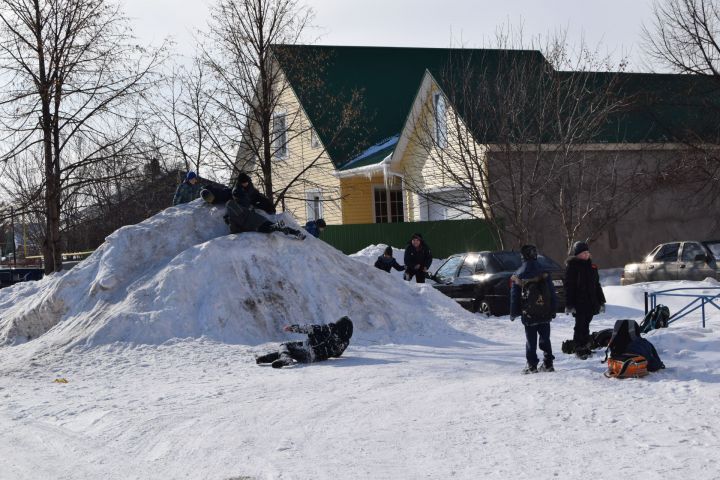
{"x": 714, "y": 247}
{"x": 511, "y": 261}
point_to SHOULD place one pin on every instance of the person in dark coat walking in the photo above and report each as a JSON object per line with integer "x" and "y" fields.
{"x": 315, "y": 227}
{"x": 539, "y": 325}
{"x": 256, "y": 199}
{"x": 323, "y": 342}
{"x": 188, "y": 190}
{"x": 241, "y": 217}
{"x": 386, "y": 261}
{"x": 584, "y": 296}
{"x": 418, "y": 259}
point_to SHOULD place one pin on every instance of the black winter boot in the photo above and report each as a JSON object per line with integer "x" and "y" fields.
{"x": 282, "y": 361}
{"x": 268, "y": 358}
{"x": 530, "y": 369}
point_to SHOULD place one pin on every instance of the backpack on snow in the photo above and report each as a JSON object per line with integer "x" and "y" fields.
{"x": 631, "y": 356}
{"x": 658, "y": 317}
{"x": 627, "y": 365}
{"x": 536, "y": 300}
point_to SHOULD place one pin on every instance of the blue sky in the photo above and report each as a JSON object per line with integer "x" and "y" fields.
{"x": 615, "y": 24}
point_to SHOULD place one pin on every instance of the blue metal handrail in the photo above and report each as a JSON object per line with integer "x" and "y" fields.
{"x": 699, "y": 301}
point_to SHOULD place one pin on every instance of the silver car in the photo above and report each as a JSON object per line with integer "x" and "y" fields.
{"x": 684, "y": 260}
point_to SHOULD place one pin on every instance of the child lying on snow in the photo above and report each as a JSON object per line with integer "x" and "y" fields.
{"x": 323, "y": 342}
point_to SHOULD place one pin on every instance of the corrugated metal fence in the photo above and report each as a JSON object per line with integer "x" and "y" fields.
{"x": 444, "y": 237}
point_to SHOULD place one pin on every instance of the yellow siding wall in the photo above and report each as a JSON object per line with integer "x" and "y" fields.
{"x": 358, "y": 200}
{"x": 300, "y": 155}
{"x": 419, "y": 161}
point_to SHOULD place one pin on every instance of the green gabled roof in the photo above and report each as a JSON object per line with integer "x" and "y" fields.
{"x": 387, "y": 78}
{"x": 667, "y": 107}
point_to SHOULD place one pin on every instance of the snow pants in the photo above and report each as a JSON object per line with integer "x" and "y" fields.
{"x": 581, "y": 332}
{"x": 418, "y": 274}
{"x": 532, "y": 332}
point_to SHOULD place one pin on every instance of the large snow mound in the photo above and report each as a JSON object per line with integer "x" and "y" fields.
{"x": 179, "y": 275}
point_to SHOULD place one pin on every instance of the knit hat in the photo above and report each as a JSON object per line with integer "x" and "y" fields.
{"x": 190, "y": 175}
{"x": 416, "y": 235}
{"x": 579, "y": 247}
{"x": 243, "y": 178}
{"x": 529, "y": 252}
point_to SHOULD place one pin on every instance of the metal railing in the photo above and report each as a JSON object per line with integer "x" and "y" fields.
{"x": 698, "y": 301}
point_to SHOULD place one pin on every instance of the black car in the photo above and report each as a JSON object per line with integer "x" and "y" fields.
{"x": 480, "y": 281}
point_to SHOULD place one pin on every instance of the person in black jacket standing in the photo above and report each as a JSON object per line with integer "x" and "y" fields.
{"x": 323, "y": 342}
{"x": 584, "y": 296}
{"x": 417, "y": 259}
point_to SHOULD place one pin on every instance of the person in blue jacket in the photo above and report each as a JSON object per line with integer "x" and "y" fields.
{"x": 315, "y": 227}
{"x": 386, "y": 261}
{"x": 188, "y": 190}
{"x": 533, "y": 299}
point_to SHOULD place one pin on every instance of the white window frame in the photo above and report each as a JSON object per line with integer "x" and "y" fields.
{"x": 388, "y": 205}
{"x": 310, "y": 197}
{"x": 440, "y": 112}
{"x": 280, "y": 138}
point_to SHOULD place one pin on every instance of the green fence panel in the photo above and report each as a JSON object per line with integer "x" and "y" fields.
{"x": 444, "y": 237}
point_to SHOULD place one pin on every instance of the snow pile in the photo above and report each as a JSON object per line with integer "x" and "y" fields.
{"x": 369, "y": 255}
{"x": 178, "y": 275}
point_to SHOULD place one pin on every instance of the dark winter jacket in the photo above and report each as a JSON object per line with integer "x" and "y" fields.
{"x": 241, "y": 218}
{"x": 386, "y": 263}
{"x": 186, "y": 192}
{"x": 582, "y": 287}
{"x": 221, "y": 193}
{"x": 529, "y": 269}
{"x": 255, "y": 198}
{"x": 415, "y": 257}
{"x": 312, "y": 228}
{"x": 326, "y": 341}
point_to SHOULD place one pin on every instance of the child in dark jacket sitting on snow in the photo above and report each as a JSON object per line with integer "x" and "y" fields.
{"x": 323, "y": 342}
{"x": 386, "y": 261}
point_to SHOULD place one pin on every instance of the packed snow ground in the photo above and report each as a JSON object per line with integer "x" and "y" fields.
{"x": 158, "y": 387}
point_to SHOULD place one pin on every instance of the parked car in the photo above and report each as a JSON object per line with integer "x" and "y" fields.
{"x": 682, "y": 260}
{"x": 480, "y": 281}
{"x": 11, "y": 276}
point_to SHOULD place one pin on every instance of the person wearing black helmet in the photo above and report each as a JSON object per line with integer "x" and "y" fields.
{"x": 584, "y": 295}
{"x": 323, "y": 342}
{"x": 418, "y": 259}
{"x": 533, "y": 299}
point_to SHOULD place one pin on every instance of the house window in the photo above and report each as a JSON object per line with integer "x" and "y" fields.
{"x": 313, "y": 203}
{"x": 440, "y": 120}
{"x": 451, "y": 204}
{"x": 388, "y": 205}
{"x": 279, "y": 135}
{"x": 314, "y": 140}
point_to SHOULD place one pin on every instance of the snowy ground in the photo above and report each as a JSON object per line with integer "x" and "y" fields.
{"x": 426, "y": 390}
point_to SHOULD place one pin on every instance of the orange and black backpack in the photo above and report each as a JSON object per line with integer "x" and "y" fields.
{"x": 622, "y": 364}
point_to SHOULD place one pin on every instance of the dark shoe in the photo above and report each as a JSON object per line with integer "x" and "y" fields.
{"x": 583, "y": 354}
{"x": 546, "y": 367}
{"x": 269, "y": 358}
{"x": 530, "y": 369}
{"x": 279, "y": 363}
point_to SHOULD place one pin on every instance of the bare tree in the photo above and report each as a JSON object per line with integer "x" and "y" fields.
{"x": 249, "y": 39}
{"x": 70, "y": 72}
{"x": 515, "y": 128}
{"x": 684, "y": 35}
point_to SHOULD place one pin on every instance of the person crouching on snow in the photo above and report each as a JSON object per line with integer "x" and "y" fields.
{"x": 386, "y": 261}
{"x": 323, "y": 342}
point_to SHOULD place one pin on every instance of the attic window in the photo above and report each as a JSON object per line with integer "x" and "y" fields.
{"x": 279, "y": 135}
{"x": 440, "y": 120}
{"x": 314, "y": 140}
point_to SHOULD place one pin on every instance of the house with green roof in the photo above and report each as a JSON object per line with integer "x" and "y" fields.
{"x": 381, "y": 171}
